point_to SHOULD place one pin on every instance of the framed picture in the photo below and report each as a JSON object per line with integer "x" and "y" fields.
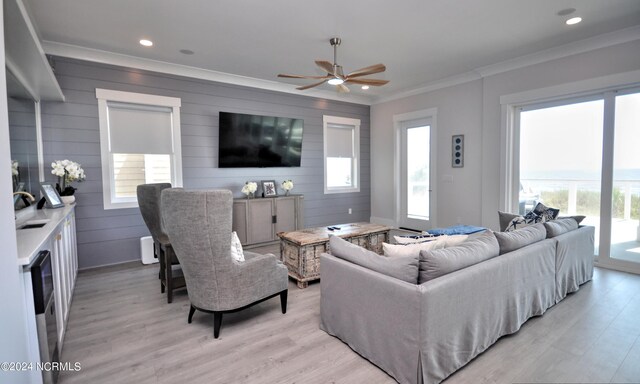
{"x": 51, "y": 195}
{"x": 269, "y": 188}
{"x": 457, "y": 151}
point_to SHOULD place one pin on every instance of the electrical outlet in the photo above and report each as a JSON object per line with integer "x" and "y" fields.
{"x": 350, "y": 211}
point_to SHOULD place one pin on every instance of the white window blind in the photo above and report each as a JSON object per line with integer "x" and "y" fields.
{"x": 140, "y": 129}
{"x": 340, "y": 140}
{"x": 341, "y": 154}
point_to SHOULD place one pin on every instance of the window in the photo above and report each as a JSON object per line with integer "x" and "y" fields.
{"x": 139, "y": 143}
{"x": 341, "y": 154}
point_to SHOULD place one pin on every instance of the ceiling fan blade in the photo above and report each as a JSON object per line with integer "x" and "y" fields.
{"x": 342, "y": 88}
{"x": 310, "y": 85}
{"x": 325, "y": 65}
{"x": 302, "y": 76}
{"x": 374, "y": 82}
{"x": 370, "y": 70}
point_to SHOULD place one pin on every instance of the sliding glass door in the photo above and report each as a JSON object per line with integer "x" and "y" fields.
{"x": 583, "y": 157}
{"x": 561, "y": 159}
{"x": 625, "y": 204}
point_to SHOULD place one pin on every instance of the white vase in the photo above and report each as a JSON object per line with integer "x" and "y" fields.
{"x": 68, "y": 200}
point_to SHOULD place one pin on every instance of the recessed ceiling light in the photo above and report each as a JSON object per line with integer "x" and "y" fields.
{"x": 146, "y": 43}
{"x": 335, "y": 81}
{"x": 187, "y": 51}
{"x": 574, "y": 20}
{"x": 365, "y": 87}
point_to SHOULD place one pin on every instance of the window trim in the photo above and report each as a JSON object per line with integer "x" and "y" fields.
{"x": 355, "y": 167}
{"x": 104, "y": 96}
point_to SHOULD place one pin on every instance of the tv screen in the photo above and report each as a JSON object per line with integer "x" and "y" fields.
{"x": 259, "y": 141}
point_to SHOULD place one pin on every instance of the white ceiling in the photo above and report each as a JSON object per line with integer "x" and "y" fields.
{"x": 420, "y": 41}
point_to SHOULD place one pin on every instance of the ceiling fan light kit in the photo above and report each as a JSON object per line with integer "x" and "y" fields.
{"x": 335, "y": 75}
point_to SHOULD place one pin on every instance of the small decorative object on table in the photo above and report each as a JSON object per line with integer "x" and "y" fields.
{"x": 269, "y": 188}
{"x": 249, "y": 189}
{"x": 287, "y": 185}
{"x": 67, "y": 171}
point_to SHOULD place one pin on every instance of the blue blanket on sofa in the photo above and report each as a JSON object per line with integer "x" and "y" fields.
{"x": 459, "y": 229}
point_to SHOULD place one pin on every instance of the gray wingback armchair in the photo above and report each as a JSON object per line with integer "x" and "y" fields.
{"x": 149, "y": 204}
{"x": 199, "y": 226}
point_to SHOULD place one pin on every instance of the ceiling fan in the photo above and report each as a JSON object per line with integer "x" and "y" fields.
{"x": 335, "y": 75}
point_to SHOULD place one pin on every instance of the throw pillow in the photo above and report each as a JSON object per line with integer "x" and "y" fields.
{"x": 545, "y": 212}
{"x": 237, "y": 253}
{"x": 558, "y": 227}
{"x": 403, "y": 268}
{"x": 505, "y": 219}
{"x": 414, "y": 239}
{"x": 510, "y": 241}
{"x": 413, "y": 249}
{"x": 439, "y": 262}
{"x": 454, "y": 240}
{"x": 577, "y": 218}
{"x": 540, "y": 214}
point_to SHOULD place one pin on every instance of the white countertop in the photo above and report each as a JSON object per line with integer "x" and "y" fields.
{"x": 30, "y": 241}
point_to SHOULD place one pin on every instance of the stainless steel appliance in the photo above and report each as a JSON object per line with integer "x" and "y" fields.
{"x": 45, "y": 306}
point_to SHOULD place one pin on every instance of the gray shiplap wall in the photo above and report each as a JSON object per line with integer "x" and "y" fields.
{"x": 70, "y": 130}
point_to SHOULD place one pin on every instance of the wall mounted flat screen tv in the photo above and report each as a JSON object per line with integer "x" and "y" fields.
{"x": 259, "y": 141}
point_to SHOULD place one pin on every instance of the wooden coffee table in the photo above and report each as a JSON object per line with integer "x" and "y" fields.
{"x": 300, "y": 250}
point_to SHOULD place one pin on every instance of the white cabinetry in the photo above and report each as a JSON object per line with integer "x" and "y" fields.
{"x": 65, "y": 269}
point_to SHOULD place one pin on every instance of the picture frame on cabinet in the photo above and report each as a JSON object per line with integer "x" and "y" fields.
{"x": 51, "y": 195}
{"x": 269, "y": 188}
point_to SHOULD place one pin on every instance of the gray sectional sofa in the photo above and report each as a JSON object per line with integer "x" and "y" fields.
{"x": 421, "y": 328}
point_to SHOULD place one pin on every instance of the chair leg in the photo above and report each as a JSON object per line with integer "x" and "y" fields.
{"x": 192, "y": 310}
{"x": 168, "y": 252}
{"x": 217, "y": 323}
{"x": 161, "y": 273}
{"x": 283, "y": 300}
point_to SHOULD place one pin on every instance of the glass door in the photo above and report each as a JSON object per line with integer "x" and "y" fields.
{"x": 561, "y": 159}
{"x": 415, "y": 201}
{"x": 625, "y": 207}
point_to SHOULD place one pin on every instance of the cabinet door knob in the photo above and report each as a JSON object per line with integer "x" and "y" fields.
{"x": 58, "y": 237}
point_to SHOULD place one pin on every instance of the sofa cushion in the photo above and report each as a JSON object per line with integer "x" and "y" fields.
{"x": 438, "y": 262}
{"x": 510, "y": 241}
{"x": 558, "y": 227}
{"x": 577, "y": 218}
{"x": 403, "y": 268}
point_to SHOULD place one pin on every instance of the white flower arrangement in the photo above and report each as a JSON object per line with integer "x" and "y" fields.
{"x": 249, "y": 188}
{"x": 67, "y": 171}
{"x": 15, "y": 171}
{"x": 287, "y": 185}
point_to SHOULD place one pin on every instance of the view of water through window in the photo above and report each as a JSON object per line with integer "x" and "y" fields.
{"x": 561, "y": 152}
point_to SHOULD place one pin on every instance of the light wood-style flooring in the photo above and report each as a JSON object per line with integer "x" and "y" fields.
{"x": 122, "y": 330}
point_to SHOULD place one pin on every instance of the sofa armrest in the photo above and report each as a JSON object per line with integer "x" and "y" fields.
{"x": 377, "y": 315}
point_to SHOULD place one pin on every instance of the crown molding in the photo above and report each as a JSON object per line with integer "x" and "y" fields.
{"x": 590, "y": 44}
{"x": 429, "y": 87}
{"x": 106, "y": 57}
{"x": 600, "y": 41}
